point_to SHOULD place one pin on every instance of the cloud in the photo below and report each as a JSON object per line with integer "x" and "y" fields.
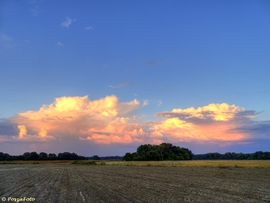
{"x": 69, "y": 116}
{"x": 5, "y": 38}
{"x": 77, "y": 120}
{"x": 214, "y": 122}
{"x": 35, "y": 11}
{"x": 258, "y": 129}
{"x": 89, "y": 28}
{"x": 34, "y": 1}
{"x": 211, "y": 112}
{"x": 120, "y": 86}
{"x": 23, "y": 131}
{"x": 120, "y": 130}
{"x": 59, "y": 44}
{"x": 145, "y": 102}
{"x": 159, "y": 102}
{"x": 68, "y": 22}
{"x": 7, "y": 127}
{"x": 154, "y": 63}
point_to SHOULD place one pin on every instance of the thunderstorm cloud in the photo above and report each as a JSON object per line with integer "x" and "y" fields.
{"x": 70, "y": 121}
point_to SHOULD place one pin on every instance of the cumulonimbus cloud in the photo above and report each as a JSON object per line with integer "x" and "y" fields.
{"x": 212, "y": 122}
{"x": 108, "y": 121}
{"x": 74, "y": 116}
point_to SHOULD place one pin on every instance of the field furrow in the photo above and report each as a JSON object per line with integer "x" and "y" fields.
{"x": 53, "y": 183}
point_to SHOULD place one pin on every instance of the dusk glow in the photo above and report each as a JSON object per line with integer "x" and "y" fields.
{"x": 105, "y": 77}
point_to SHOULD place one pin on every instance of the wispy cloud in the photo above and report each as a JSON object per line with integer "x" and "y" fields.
{"x": 34, "y": 1}
{"x": 89, "y": 28}
{"x": 145, "y": 102}
{"x": 159, "y": 102}
{"x": 35, "y": 11}
{"x": 154, "y": 63}
{"x": 5, "y": 38}
{"x": 120, "y": 86}
{"x": 67, "y": 22}
{"x": 59, "y": 44}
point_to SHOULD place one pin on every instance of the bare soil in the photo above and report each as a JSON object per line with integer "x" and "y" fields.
{"x": 77, "y": 183}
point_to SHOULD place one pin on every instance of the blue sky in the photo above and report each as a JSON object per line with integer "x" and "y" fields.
{"x": 153, "y": 56}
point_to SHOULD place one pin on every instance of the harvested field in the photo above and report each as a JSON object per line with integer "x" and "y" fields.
{"x": 84, "y": 183}
{"x": 197, "y": 163}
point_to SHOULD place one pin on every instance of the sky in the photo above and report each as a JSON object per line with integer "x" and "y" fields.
{"x": 104, "y": 77}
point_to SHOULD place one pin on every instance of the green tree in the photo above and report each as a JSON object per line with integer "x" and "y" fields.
{"x": 43, "y": 156}
{"x": 142, "y": 151}
{"x": 52, "y": 156}
{"x": 127, "y": 157}
{"x": 34, "y": 156}
{"x": 26, "y": 156}
{"x": 164, "y": 151}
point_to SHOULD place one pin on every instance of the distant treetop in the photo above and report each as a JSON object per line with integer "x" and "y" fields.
{"x": 164, "y": 151}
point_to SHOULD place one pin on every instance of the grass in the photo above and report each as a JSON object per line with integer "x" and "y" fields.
{"x": 223, "y": 164}
{"x": 196, "y": 163}
{"x": 84, "y": 162}
{"x": 90, "y": 162}
{"x": 37, "y": 162}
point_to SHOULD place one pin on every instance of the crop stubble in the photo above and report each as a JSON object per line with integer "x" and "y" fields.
{"x": 76, "y": 183}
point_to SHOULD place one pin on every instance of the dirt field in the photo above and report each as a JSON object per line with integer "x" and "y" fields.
{"x": 78, "y": 183}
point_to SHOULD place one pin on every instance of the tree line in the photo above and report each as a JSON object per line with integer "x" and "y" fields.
{"x": 96, "y": 157}
{"x": 164, "y": 151}
{"x": 41, "y": 156}
{"x": 259, "y": 155}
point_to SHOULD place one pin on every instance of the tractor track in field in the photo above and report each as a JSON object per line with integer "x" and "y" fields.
{"x": 53, "y": 183}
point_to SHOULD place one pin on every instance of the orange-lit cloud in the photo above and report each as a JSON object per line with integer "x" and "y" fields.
{"x": 22, "y": 131}
{"x": 218, "y": 112}
{"x": 119, "y": 130}
{"x": 79, "y": 116}
{"x": 108, "y": 121}
{"x": 208, "y": 123}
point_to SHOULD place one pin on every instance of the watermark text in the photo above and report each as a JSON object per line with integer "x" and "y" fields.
{"x": 18, "y": 199}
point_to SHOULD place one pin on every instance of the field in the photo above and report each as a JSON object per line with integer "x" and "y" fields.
{"x": 193, "y": 181}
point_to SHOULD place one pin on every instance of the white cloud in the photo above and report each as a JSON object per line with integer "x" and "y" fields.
{"x": 89, "y": 28}
{"x": 5, "y": 38}
{"x": 68, "y": 22}
{"x": 159, "y": 102}
{"x": 59, "y": 44}
{"x": 119, "y": 86}
{"x": 145, "y": 102}
{"x": 154, "y": 63}
{"x": 35, "y": 11}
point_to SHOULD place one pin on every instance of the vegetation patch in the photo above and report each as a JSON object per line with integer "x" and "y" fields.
{"x": 162, "y": 152}
{"x": 84, "y": 162}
